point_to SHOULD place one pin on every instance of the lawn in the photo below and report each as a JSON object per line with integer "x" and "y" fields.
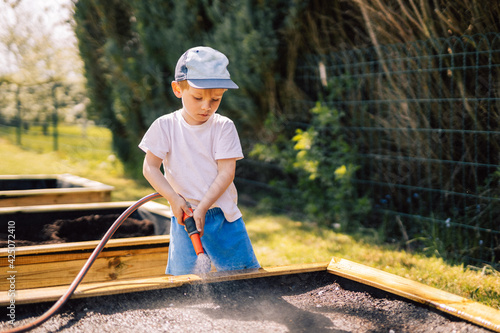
{"x": 277, "y": 239}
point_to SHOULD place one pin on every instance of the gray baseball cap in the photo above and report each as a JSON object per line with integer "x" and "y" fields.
{"x": 204, "y": 68}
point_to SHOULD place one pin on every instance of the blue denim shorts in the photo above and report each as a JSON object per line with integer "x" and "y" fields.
{"x": 226, "y": 243}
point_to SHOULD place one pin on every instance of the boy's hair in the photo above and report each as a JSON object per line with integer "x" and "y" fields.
{"x": 183, "y": 84}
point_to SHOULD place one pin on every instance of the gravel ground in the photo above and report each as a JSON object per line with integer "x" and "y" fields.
{"x": 313, "y": 302}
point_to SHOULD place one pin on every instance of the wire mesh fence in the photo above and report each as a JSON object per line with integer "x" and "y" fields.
{"x": 424, "y": 117}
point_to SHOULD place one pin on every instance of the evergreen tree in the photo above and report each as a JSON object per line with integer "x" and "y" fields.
{"x": 130, "y": 49}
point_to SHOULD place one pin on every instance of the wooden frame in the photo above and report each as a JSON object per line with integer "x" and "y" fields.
{"x": 443, "y": 301}
{"x": 29, "y": 220}
{"x": 64, "y": 188}
{"x": 49, "y": 265}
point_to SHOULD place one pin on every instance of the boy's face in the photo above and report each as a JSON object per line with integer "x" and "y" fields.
{"x": 198, "y": 104}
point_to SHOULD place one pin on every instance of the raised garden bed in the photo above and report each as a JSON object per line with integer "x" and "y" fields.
{"x": 58, "y": 260}
{"x": 26, "y": 190}
{"x": 340, "y": 296}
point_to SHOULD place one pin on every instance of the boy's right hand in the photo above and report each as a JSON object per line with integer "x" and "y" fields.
{"x": 179, "y": 207}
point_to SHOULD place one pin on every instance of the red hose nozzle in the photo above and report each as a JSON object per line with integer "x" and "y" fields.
{"x": 193, "y": 233}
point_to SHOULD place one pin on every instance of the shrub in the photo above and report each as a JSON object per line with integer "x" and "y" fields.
{"x": 323, "y": 168}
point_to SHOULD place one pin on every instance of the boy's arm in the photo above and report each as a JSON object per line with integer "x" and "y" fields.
{"x": 151, "y": 171}
{"x": 225, "y": 176}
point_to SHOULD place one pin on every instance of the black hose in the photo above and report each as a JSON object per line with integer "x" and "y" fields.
{"x": 43, "y": 318}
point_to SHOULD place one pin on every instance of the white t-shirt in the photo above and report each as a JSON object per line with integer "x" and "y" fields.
{"x": 190, "y": 155}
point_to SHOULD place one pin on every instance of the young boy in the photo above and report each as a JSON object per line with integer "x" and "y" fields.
{"x": 199, "y": 150}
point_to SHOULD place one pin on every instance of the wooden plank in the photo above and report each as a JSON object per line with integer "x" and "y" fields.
{"x": 265, "y": 272}
{"x": 68, "y": 207}
{"x": 61, "y": 257}
{"x": 55, "y": 196}
{"x": 83, "y": 246}
{"x": 27, "y": 296}
{"x": 90, "y": 206}
{"x": 452, "y": 304}
{"x": 113, "y": 266}
{"x": 65, "y": 178}
{"x": 58, "y": 264}
{"x": 82, "y": 190}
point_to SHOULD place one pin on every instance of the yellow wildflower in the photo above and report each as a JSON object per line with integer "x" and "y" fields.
{"x": 340, "y": 172}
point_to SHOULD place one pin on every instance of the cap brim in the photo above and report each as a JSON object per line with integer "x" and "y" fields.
{"x": 212, "y": 84}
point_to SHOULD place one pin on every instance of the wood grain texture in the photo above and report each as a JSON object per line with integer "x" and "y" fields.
{"x": 455, "y": 305}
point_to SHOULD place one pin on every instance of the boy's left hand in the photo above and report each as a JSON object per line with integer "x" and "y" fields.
{"x": 199, "y": 218}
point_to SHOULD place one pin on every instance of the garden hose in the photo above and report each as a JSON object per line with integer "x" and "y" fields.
{"x": 53, "y": 310}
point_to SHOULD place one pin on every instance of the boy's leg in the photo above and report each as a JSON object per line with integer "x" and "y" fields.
{"x": 181, "y": 254}
{"x": 227, "y": 243}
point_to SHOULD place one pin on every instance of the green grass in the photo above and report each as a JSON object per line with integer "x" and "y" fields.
{"x": 89, "y": 156}
{"x": 277, "y": 239}
{"x": 280, "y": 240}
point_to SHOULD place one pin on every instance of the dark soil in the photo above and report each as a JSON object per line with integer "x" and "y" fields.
{"x": 85, "y": 228}
{"x": 314, "y": 302}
